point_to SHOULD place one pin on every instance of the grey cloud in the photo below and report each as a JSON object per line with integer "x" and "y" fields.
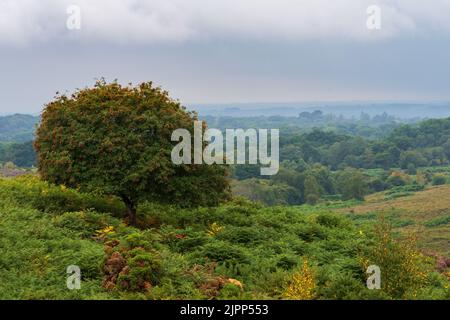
{"x": 150, "y": 21}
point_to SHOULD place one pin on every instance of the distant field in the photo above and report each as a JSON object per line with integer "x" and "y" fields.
{"x": 426, "y": 213}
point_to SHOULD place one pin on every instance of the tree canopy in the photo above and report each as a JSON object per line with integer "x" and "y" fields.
{"x": 116, "y": 140}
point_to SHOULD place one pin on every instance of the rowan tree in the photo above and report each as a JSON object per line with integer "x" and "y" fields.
{"x": 116, "y": 140}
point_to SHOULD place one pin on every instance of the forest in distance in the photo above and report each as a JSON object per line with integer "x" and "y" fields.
{"x": 351, "y": 192}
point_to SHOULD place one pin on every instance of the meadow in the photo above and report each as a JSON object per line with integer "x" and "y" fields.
{"x": 425, "y": 213}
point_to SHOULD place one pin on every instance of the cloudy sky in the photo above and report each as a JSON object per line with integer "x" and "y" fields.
{"x": 223, "y": 51}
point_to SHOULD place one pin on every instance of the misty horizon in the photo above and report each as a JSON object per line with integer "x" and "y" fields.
{"x": 243, "y": 52}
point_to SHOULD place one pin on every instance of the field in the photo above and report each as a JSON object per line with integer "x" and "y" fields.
{"x": 424, "y": 213}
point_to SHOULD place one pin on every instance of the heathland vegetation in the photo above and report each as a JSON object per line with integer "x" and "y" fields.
{"x": 104, "y": 196}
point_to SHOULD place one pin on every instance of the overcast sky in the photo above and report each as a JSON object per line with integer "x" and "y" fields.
{"x": 222, "y": 51}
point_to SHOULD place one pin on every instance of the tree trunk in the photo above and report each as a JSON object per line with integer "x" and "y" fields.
{"x": 131, "y": 211}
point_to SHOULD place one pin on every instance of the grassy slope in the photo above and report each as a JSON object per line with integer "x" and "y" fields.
{"x": 17, "y": 128}
{"x": 426, "y": 213}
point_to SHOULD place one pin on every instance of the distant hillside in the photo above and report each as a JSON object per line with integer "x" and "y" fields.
{"x": 398, "y": 110}
{"x": 21, "y": 154}
{"x": 426, "y": 213}
{"x": 18, "y": 128}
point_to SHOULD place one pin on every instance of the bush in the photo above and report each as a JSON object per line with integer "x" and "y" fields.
{"x": 343, "y": 286}
{"x": 130, "y": 266}
{"x": 398, "y": 178}
{"x": 287, "y": 261}
{"x": 311, "y": 232}
{"x": 143, "y": 270}
{"x": 377, "y": 185}
{"x": 49, "y": 198}
{"x": 221, "y": 251}
{"x": 85, "y": 223}
{"x": 312, "y": 199}
{"x": 404, "y": 268}
{"x": 439, "y": 179}
{"x": 329, "y": 220}
{"x": 244, "y": 235}
{"x": 231, "y": 291}
{"x": 302, "y": 285}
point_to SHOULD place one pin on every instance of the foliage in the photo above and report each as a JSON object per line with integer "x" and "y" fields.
{"x": 404, "y": 269}
{"x": 17, "y": 128}
{"x": 352, "y": 184}
{"x": 439, "y": 179}
{"x": 312, "y": 190}
{"x": 239, "y": 250}
{"x": 110, "y": 144}
{"x": 49, "y": 198}
{"x": 266, "y": 192}
{"x": 312, "y": 145}
{"x": 214, "y": 229}
{"x": 302, "y": 284}
{"x": 116, "y": 140}
{"x": 21, "y": 154}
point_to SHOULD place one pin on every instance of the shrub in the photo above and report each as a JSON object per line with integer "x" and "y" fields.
{"x": 144, "y": 239}
{"x": 343, "y": 286}
{"x": 403, "y": 269}
{"x": 49, "y": 198}
{"x": 131, "y": 267}
{"x": 143, "y": 270}
{"x": 230, "y": 291}
{"x": 35, "y": 254}
{"x": 243, "y": 235}
{"x": 312, "y": 199}
{"x": 85, "y": 223}
{"x": 377, "y": 185}
{"x": 439, "y": 179}
{"x": 221, "y": 251}
{"x": 398, "y": 178}
{"x": 311, "y": 232}
{"x": 190, "y": 243}
{"x": 352, "y": 184}
{"x": 287, "y": 261}
{"x": 329, "y": 220}
{"x": 302, "y": 285}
